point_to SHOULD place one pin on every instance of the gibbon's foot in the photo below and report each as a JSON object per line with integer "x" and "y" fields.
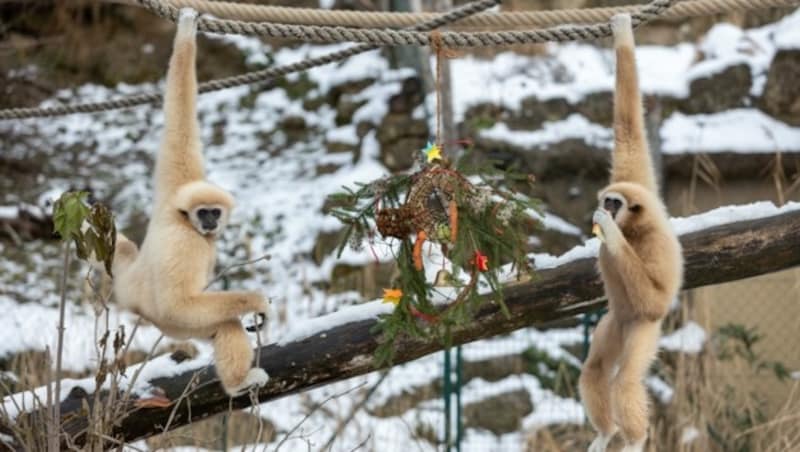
{"x": 638, "y": 446}
{"x": 261, "y": 323}
{"x": 256, "y": 377}
{"x": 600, "y": 442}
{"x": 613, "y": 236}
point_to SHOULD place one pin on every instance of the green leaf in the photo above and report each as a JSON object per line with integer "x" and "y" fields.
{"x": 68, "y": 214}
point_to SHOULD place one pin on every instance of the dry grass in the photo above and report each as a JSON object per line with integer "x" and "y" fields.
{"x": 713, "y": 403}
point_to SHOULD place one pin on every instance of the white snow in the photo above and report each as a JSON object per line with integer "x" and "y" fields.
{"x": 344, "y": 134}
{"x": 731, "y": 214}
{"x": 349, "y": 314}
{"x": 744, "y": 130}
{"x": 79, "y": 350}
{"x": 689, "y": 434}
{"x": 9, "y": 212}
{"x": 660, "y": 388}
{"x": 573, "y": 127}
{"x": 689, "y": 338}
{"x": 556, "y": 223}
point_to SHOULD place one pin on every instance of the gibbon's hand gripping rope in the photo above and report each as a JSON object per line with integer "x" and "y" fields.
{"x": 564, "y": 33}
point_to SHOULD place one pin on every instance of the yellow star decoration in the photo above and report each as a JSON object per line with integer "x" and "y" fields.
{"x": 433, "y": 152}
{"x": 392, "y": 296}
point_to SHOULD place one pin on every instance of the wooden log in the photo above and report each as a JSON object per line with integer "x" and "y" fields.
{"x": 714, "y": 255}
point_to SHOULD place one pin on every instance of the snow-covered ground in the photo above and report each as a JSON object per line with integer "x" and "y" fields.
{"x": 280, "y": 196}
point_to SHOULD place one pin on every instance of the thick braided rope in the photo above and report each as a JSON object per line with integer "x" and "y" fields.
{"x": 242, "y": 79}
{"x": 514, "y": 19}
{"x": 451, "y": 39}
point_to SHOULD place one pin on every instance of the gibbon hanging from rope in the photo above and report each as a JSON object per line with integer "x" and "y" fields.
{"x": 165, "y": 280}
{"x": 641, "y": 265}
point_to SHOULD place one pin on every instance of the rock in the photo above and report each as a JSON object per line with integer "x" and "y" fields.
{"x": 313, "y": 103}
{"x": 482, "y": 116}
{"x": 534, "y": 112}
{"x": 409, "y": 97}
{"x": 350, "y": 87}
{"x": 719, "y": 91}
{"x": 346, "y": 108}
{"x": 399, "y": 155}
{"x": 368, "y": 279}
{"x": 337, "y": 147}
{"x": 781, "y": 96}
{"x": 326, "y": 244}
{"x": 598, "y": 107}
{"x": 499, "y": 414}
{"x": 400, "y": 137}
{"x": 294, "y": 127}
{"x": 363, "y": 128}
{"x": 327, "y": 168}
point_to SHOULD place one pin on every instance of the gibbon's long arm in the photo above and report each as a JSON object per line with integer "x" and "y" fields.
{"x": 631, "y": 161}
{"x": 180, "y": 159}
{"x": 204, "y": 310}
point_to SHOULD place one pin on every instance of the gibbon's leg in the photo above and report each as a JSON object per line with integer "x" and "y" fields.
{"x": 595, "y": 379}
{"x": 207, "y": 309}
{"x": 631, "y": 161}
{"x": 645, "y": 299}
{"x": 233, "y": 358}
{"x": 628, "y": 393}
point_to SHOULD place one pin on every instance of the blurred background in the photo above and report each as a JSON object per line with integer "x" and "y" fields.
{"x": 722, "y": 95}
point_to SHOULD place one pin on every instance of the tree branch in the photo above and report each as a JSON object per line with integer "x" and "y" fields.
{"x": 714, "y": 255}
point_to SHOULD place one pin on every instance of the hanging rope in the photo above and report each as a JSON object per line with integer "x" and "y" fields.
{"x": 451, "y": 39}
{"x": 513, "y": 19}
{"x": 681, "y": 9}
{"x": 243, "y": 79}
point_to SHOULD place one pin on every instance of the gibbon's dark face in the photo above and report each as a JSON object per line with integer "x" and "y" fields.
{"x": 613, "y": 202}
{"x": 625, "y": 201}
{"x": 208, "y": 219}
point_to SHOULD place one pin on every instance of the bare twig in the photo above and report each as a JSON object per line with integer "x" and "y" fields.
{"x": 314, "y": 410}
{"x": 225, "y": 270}
{"x": 184, "y": 395}
{"x": 361, "y": 444}
{"x": 60, "y": 351}
{"x": 124, "y": 402}
{"x": 356, "y": 408}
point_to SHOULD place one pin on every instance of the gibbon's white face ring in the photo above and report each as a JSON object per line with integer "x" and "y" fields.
{"x": 209, "y": 219}
{"x": 614, "y": 203}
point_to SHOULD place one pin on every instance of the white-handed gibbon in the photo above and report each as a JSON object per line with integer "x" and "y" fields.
{"x": 165, "y": 280}
{"x": 641, "y": 265}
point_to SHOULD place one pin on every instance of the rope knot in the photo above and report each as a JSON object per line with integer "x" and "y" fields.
{"x": 439, "y": 48}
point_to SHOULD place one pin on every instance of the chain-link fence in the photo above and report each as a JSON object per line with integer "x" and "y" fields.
{"x": 725, "y": 379}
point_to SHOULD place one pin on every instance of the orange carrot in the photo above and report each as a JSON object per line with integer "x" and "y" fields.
{"x": 421, "y": 237}
{"x": 453, "y": 221}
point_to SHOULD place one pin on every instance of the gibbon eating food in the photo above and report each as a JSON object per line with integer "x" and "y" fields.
{"x": 641, "y": 265}
{"x": 164, "y": 281}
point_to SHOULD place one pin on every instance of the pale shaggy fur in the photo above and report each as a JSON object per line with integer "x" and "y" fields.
{"x": 165, "y": 280}
{"x": 641, "y": 265}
